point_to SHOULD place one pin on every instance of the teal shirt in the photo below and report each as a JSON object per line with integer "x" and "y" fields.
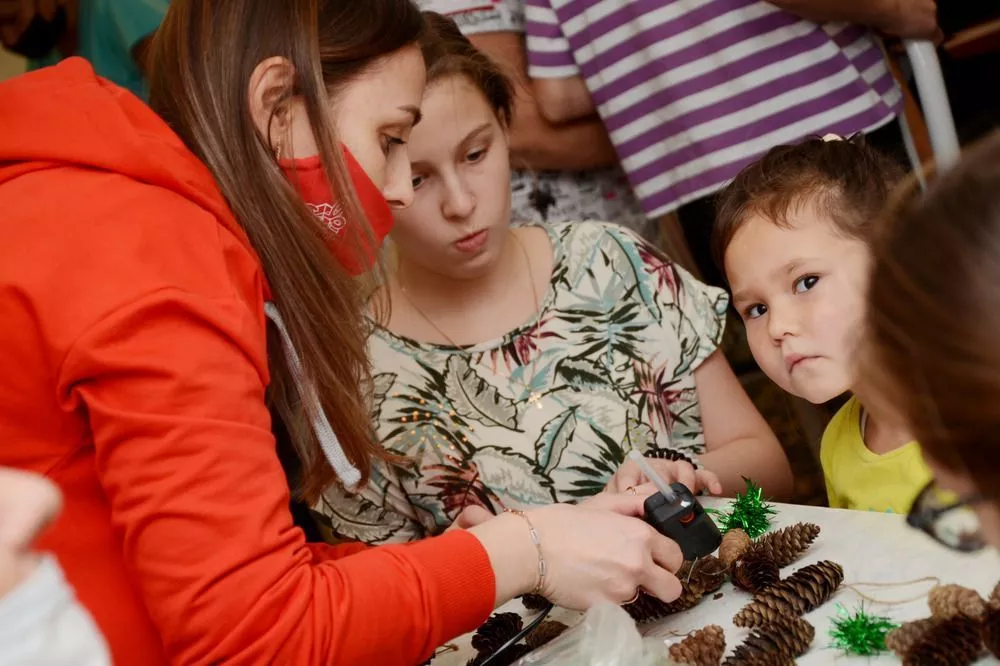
{"x": 108, "y": 31}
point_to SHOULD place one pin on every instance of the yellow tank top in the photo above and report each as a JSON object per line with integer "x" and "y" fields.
{"x": 856, "y": 478}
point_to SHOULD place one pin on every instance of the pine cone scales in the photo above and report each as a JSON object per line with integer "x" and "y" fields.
{"x": 545, "y": 632}
{"x": 757, "y": 616}
{"x": 763, "y": 659}
{"x": 901, "y": 640}
{"x": 953, "y": 642}
{"x": 648, "y": 608}
{"x": 753, "y": 572}
{"x": 497, "y": 630}
{"x": 947, "y": 601}
{"x": 709, "y": 572}
{"x": 803, "y": 591}
{"x": 787, "y": 544}
{"x": 702, "y": 648}
{"x": 990, "y": 629}
{"x": 734, "y": 543}
{"x": 789, "y": 637}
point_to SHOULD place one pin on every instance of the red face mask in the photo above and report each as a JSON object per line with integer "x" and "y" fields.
{"x": 347, "y": 240}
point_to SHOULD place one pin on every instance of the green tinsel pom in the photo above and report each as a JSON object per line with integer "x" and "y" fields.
{"x": 749, "y": 512}
{"x": 859, "y": 633}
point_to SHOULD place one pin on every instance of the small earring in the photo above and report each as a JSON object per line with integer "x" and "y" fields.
{"x": 277, "y": 151}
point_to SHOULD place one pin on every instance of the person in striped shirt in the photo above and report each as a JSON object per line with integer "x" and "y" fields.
{"x": 692, "y": 91}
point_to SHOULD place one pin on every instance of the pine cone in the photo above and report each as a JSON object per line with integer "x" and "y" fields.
{"x": 763, "y": 659}
{"x": 803, "y": 591}
{"x": 754, "y": 615}
{"x": 787, "y": 544}
{"x": 709, "y": 571}
{"x": 701, "y": 648}
{"x": 990, "y": 629}
{"x": 545, "y": 632}
{"x": 909, "y": 634}
{"x": 753, "y": 572}
{"x": 789, "y": 637}
{"x": 534, "y": 602}
{"x": 497, "y": 630}
{"x": 954, "y": 642}
{"x": 734, "y": 543}
{"x": 648, "y": 608}
{"x": 947, "y": 601}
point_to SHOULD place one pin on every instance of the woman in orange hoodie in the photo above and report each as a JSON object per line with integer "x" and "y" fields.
{"x": 166, "y": 277}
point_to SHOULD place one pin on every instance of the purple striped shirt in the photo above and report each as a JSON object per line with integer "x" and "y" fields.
{"x": 691, "y": 91}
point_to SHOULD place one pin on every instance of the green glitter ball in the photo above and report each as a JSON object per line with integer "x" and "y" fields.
{"x": 748, "y": 512}
{"x": 860, "y": 633}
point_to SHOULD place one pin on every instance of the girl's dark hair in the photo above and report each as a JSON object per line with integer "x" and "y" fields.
{"x": 447, "y": 52}
{"x": 202, "y": 59}
{"x": 933, "y": 323}
{"x": 847, "y": 180}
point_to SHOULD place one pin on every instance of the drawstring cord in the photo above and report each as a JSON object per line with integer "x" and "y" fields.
{"x": 328, "y": 441}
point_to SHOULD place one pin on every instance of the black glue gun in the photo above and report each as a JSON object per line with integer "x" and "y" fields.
{"x": 675, "y": 513}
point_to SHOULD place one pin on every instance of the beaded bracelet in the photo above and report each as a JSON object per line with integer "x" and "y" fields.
{"x": 542, "y": 567}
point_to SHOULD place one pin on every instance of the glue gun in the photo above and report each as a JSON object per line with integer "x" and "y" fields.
{"x": 675, "y": 513}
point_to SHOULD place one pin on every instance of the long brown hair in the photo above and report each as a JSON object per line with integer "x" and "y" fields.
{"x": 203, "y": 56}
{"x": 847, "y": 179}
{"x": 447, "y": 52}
{"x": 932, "y": 351}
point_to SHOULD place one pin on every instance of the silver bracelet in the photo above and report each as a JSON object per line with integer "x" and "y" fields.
{"x": 542, "y": 567}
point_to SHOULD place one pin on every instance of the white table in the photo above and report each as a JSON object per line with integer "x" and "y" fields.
{"x": 872, "y": 547}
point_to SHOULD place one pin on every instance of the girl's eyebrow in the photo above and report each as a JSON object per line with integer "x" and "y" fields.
{"x": 413, "y": 111}
{"x": 474, "y": 134}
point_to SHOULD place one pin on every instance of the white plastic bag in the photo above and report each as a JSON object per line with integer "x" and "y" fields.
{"x": 605, "y": 637}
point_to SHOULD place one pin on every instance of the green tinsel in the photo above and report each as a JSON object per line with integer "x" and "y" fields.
{"x": 859, "y": 633}
{"x": 749, "y": 512}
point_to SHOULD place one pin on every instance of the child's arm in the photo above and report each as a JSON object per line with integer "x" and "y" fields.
{"x": 738, "y": 440}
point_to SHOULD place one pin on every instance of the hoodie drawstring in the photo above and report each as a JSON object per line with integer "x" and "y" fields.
{"x": 328, "y": 441}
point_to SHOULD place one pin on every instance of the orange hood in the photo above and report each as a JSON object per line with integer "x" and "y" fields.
{"x": 67, "y": 116}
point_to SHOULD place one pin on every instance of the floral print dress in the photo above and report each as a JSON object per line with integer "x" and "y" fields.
{"x": 547, "y": 412}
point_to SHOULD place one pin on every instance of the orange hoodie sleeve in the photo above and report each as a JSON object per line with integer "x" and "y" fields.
{"x": 173, "y": 388}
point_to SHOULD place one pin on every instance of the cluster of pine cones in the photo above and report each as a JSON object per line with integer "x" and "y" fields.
{"x": 961, "y": 628}
{"x": 778, "y": 634}
{"x": 502, "y": 627}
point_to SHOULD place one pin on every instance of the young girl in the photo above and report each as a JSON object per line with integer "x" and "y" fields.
{"x": 793, "y": 240}
{"x": 139, "y": 263}
{"x": 930, "y": 360}
{"x": 520, "y": 365}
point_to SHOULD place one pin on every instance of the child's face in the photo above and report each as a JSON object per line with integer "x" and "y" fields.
{"x": 800, "y": 291}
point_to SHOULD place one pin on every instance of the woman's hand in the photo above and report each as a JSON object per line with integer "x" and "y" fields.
{"x": 629, "y": 475}
{"x": 598, "y": 551}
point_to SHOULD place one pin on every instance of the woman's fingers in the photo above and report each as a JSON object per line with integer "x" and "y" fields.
{"x": 685, "y": 473}
{"x": 625, "y": 504}
{"x": 665, "y": 552}
{"x": 662, "y": 584}
{"x": 709, "y": 480}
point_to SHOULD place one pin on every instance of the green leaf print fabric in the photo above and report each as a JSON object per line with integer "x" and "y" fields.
{"x": 611, "y": 353}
